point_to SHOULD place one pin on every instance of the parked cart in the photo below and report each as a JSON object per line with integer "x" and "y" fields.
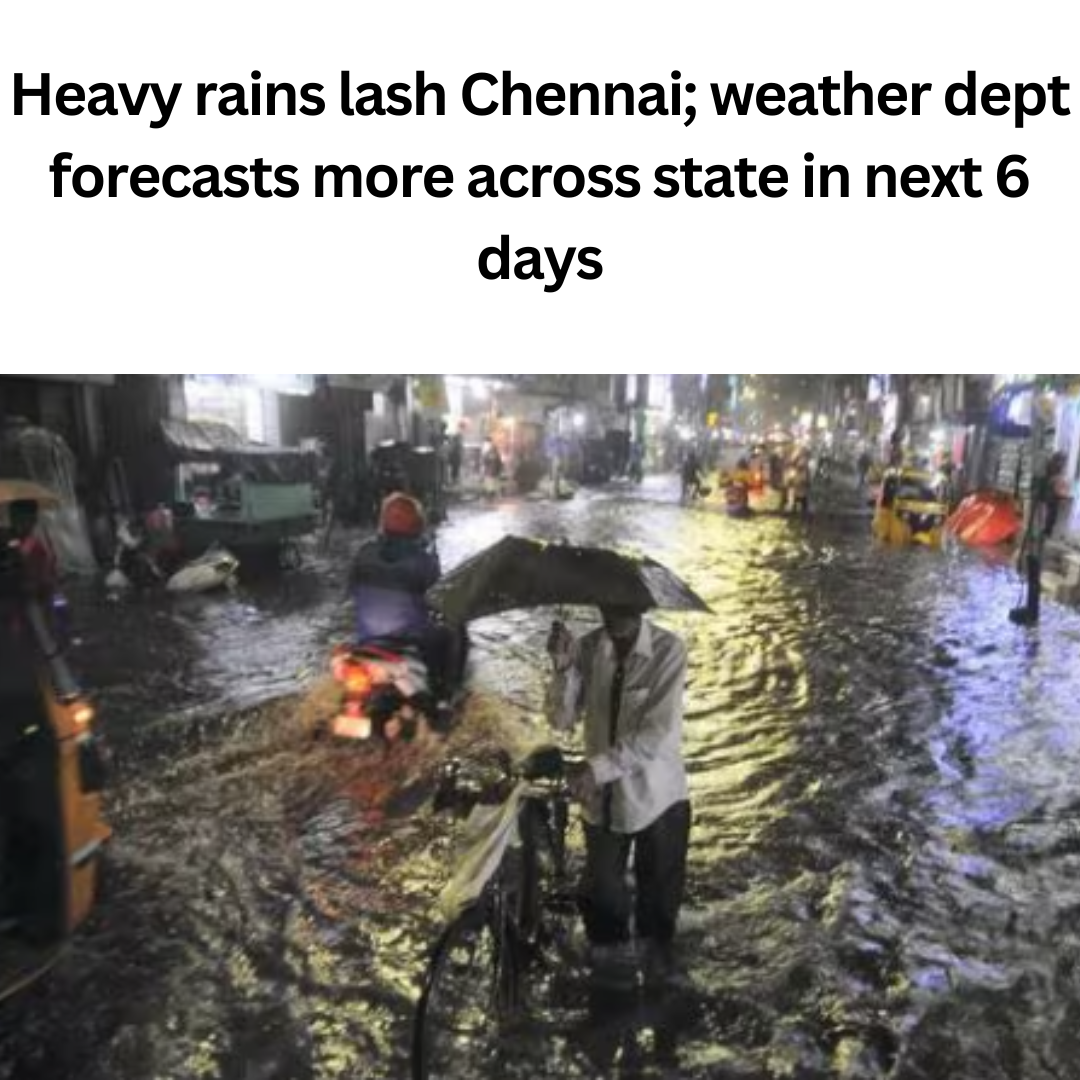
{"x": 246, "y": 498}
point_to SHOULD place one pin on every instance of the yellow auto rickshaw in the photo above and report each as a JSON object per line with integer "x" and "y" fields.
{"x": 910, "y": 510}
{"x": 52, "y": 834}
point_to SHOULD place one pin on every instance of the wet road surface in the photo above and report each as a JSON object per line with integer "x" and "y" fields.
{"x": 886, "y": 869}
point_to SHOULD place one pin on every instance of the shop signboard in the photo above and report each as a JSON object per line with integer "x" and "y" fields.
{"x": 430, "y": 394}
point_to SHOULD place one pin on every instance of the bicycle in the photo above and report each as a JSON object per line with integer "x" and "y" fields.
{"x": 475, "y": 984}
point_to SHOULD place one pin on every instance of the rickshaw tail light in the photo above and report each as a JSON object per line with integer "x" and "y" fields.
{"x": 83, "y": 715}
{"x": 358, "y": 681}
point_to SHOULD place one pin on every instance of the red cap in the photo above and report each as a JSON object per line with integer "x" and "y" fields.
{"x": 402, "y": 515}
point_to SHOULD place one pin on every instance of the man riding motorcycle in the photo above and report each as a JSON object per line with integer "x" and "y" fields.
{"x": 390, "y": 577}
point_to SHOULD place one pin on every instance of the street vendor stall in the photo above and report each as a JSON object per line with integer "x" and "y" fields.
{"x": 244, "y": 497}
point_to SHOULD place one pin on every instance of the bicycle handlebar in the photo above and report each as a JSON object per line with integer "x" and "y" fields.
{"x": 459, "y": 792}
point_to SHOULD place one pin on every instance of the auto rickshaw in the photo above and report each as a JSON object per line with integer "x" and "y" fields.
{"x": 910, "y": 510}
{"x": 52, "y": 834}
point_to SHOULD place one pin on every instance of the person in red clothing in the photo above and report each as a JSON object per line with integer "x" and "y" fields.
{"x": 28, "y": 574}
{"x": 40, "y": 572}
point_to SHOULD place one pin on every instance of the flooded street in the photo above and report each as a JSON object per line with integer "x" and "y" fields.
{"x": 885, "y": 878}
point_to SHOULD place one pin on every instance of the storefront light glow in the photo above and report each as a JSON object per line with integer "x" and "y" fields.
{"x": 455, "y": 396}
{"x": 1022, "y": 408}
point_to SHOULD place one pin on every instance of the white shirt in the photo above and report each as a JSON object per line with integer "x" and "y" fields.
{"x": 643, "y": 765}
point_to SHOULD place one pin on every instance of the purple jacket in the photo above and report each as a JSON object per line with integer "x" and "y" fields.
{"x": 390, "y": 579}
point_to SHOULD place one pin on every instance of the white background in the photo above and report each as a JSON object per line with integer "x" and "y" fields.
{"x": 365, "y": 284}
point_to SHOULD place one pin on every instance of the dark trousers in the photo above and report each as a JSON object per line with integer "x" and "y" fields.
{"x": 445, "y": 650}
{"x": 1034, "y": 596}
{"x": 660, "y": 857}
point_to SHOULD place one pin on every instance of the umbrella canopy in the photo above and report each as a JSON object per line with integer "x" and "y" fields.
{"x": 13, "y": 491}
{"x": 519, "y": 573}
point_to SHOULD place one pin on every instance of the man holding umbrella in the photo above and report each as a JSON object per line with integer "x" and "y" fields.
{"x": 626, "y": 682}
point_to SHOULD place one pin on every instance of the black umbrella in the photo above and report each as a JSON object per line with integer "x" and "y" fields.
{"x": 520, "y": 573}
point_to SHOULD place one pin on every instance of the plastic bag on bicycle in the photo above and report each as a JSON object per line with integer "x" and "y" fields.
{"x": 490, "y": 833}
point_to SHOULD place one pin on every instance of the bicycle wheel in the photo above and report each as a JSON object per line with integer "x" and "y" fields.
{"x": 562, "y": 947}
{"x": 469, "y": 995}
{"x": 522, "y": 873}
{"x": 539, "y": 884}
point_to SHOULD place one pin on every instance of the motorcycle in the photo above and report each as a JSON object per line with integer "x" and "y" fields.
{"x": 135, "y": 567}
{"x": 385, "y": 695}
{"x": 388, "y": 691}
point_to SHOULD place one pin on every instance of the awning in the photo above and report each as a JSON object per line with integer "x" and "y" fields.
{"x": 187, "y": 439}
{"x": 188, "y": 442}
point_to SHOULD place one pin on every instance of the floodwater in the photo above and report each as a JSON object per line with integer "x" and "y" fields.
{"x": 885, "y": 876}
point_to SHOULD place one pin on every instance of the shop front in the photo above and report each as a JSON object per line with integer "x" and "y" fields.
{"x": 249, "y": 404}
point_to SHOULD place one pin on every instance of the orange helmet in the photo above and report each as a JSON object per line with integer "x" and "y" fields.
{"x": 403, "y": 516}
